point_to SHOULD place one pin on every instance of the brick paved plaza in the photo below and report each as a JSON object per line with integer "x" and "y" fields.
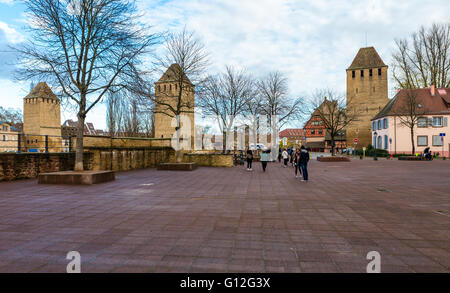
{"x": 231, "y": 220}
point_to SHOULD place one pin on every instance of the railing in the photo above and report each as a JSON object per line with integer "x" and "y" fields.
{"x": 34, "y": 143}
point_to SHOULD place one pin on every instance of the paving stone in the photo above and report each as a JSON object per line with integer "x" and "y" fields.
{"x": 231, "y": 220}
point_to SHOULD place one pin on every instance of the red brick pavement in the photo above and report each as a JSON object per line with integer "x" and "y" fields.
{"x": 231, "y": 220}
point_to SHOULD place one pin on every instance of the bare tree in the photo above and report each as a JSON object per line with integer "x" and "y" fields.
{"x": 424, "y": 60}
{"x": 226, "y": 96}
{"x": 409, "y": 110}
{"x": 185, "y": 60}
{"x": 277, "y": 105}
{"x": 11, "y": 115}
{"x": 331, "y": 108}
{"x": 85, "y": 48}
{"x": 129, "y": 116}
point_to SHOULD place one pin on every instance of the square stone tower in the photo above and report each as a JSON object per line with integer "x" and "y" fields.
{"x": 167, "y": 91}
{"x": 42, "y": 117}
{"x": 367, "y": 94}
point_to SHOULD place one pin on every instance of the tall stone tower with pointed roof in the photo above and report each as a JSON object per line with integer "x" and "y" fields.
{"x": 42, "y": 117}
{"x": 167, "y": 90}
{"x": 367, "y": 94}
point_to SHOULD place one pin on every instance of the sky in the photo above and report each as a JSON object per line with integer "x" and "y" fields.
{"x": 310, "y": 42}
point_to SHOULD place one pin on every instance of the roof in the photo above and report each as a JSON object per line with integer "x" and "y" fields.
{"x": 367, "y": 58}
{"x": 431, "y": 105}
{"x": 292, "y": 132}
{"x": 42, "y": 90}
{"x": 172, "y": 74}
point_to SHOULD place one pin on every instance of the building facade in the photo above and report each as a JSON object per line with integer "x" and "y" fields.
{"x": 433, "y": 107}
{"x": 292, "y": 137}
{"x": 367, "y": 94}
{"x": 8, "y": 137}
{"x": 41, "y": 120}
{"x": 167, "y": 90}
{"x": 317, "y": 136}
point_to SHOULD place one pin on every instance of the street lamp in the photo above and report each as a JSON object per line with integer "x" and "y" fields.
{"x": 375, "y": 146}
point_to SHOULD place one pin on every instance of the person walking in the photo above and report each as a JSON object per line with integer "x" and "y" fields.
{"x": 249, "y": 160}
{"x": 304, "y": 159}
{"x": 297, "y": 163}
{"x": 265, "y": 159}
{"x": 285, "y": 156}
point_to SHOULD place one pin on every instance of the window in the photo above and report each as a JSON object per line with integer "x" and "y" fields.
{"x": 4, "y": 137}
{"x": 437, "y": 140}
{"x": 374, "y": 125}
{"x": 320, "y": 132}
{"x": 313, "y": 131}
{"x": 380, "y": 142}
{"x": 379, "y": 71}
{"x": 362, "y": 73}
{"x": 422, "y": 141}
{"x": 386, "y": 142}
{"x": 379, "y": 124}
{"x": 370, "y": 73}
{"x": 170, "y": 87}
{"x": 437, "y": 121}
{"x": 385, "y": 123}
{"x": 5, "y": 127}
{"x": 356, "y": 90}
{"x": 353, "y": 74}
{"x": 422, "y": 122}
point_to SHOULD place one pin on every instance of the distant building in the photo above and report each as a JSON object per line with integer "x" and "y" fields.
{"x": 167, "y": 89}
{"x": 367, "y": 93}
{"x": 8, "y": 137}
{"x": 41, "y": 120}
{"x": 317, "y": 136}
{"x": 434, "y": 107}
{"x": 293, "y": 137}
{"x": 69, "y": 128}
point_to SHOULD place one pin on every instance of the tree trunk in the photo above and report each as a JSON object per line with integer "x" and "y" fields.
{"x": 79, "y": 146}
{"x": 178, "y": 151}
{"x": 412, "y": 142}
{"x": 224, "y": 142}
{"x": 332, "y": 147}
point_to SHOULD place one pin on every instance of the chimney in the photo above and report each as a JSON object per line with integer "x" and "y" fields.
{"x": 433, "y": 91}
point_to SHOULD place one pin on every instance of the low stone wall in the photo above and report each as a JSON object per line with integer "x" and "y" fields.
{"x": 209, "y": 160}
{"x": 124, "y": 159}
{"x": 90, "y": 141}
{"x": 29, "y": 165}
{"x": 333, "y": 159}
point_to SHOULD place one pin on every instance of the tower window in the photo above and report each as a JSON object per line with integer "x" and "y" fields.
{"x": 356, "y": 90}
{"x": 362, "y": 73}
{"x": 370, "y": 73}
{"x": 379, "y": 71}
{"x": 353, "y": 74}
{"x": 159, "y": 88}
{"x": 170, "y": 87}
{"x": 164, "y": 87}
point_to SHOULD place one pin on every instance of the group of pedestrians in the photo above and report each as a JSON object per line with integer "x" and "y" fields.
{"x": 264, "y": 158}
{"x": 298, "y": 159}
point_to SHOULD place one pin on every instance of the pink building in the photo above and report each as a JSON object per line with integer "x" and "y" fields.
{"x": 432, "y": 104}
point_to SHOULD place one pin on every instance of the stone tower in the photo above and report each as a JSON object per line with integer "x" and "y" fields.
{"x": 367, "y": 94}
{"x": 42, "y": 117}
{"x": 167, "y": 89}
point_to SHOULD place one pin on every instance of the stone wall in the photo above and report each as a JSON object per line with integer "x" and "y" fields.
{"x": 122, "y": 142}
{"x": 29, "y": 165}
{"x": 209, "y": 160}
{"x": 124, "y": 159}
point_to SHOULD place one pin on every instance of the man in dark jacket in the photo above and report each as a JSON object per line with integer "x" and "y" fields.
{"x": 304, "y": 159}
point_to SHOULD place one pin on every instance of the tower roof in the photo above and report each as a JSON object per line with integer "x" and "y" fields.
{"x": 367, "y": 58}
{"x": 42, "y": 90}
{"x": 172, "y": 74}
